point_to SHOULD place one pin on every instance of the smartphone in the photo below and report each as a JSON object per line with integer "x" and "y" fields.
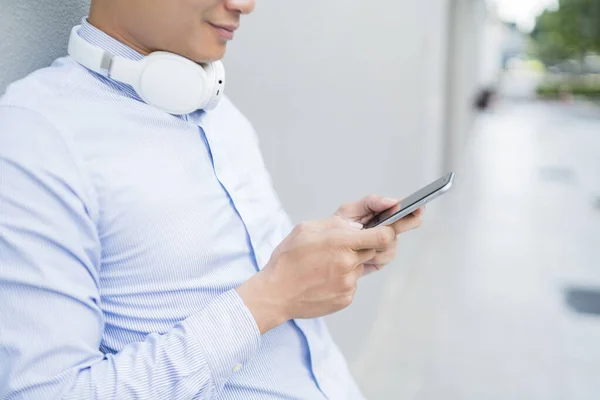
{"x": 413, "y": 202}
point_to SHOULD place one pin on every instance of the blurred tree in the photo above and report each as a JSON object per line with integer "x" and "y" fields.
{"x": 571, "y": 31}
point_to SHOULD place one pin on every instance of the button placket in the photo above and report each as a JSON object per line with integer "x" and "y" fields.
{"x": 221, "y": 161}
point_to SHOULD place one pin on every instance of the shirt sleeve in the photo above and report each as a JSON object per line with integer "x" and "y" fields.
{"x": 51, "y": 320}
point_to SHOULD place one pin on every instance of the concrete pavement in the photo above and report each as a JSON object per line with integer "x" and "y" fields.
{"x": 476, "y": 309}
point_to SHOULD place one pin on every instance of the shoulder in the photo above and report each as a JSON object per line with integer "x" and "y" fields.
{"x": 31, "y": 144}
{"x": 31, "y": 111}
{"x": 70, "y": 97}
{"x": 43, "y": 85}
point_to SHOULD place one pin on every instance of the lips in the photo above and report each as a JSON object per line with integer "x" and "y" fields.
{"x": 226, "y": 31}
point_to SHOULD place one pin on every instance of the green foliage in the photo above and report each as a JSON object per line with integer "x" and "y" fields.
{"x": 571, "y": 31}
{"x": 554, "y": 91}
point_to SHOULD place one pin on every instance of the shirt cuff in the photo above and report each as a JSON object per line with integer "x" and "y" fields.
{"x": 227, "y": 334}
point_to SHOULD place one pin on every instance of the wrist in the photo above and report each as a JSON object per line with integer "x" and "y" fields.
{"x": 266, "y": 306}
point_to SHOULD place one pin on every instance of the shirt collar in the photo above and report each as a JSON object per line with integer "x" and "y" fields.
{"x": 98, "y": 38}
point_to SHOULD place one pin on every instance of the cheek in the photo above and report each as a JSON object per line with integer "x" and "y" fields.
{"x": 206, "y": 45}
{"x": 200, "y": 44}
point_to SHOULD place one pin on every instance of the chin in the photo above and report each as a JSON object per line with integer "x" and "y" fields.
{"x": 205, "y": 55}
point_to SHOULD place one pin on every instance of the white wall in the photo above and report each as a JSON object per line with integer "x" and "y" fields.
{"x": 349, "y": 98}
{"x": 466, "y": 21}
{"x": 335, "y": 89}
{"x": 33, "y": 33}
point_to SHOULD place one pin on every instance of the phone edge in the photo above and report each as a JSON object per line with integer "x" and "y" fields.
{"x": 416, "y": 206}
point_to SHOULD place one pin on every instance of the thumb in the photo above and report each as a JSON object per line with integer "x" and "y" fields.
{"x": 376, "y": 204}
{"x": 365, "y": 208}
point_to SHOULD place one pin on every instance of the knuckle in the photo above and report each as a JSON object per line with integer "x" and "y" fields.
{"x": 340, "y": 222}
{"x": 371, "y": 198}
{"x": 372, "y": 256}
{"x": 345, "y": 208}
{"x": 377, "y": 259}
{"x": 348, "y": 260}
{"x": 383, "y": 238}
{"x": 302, "y": 227}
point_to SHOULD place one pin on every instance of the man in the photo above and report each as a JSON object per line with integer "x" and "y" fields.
{"x": 145, "y": 255}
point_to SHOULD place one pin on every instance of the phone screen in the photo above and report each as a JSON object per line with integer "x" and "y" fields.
{"x": 408, "y": 202}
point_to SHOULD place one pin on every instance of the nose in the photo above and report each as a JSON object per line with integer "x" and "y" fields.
{"x": 241, "y": 6}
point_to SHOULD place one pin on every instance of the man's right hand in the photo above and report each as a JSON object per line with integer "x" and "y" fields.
{"x": 313, "y": 272}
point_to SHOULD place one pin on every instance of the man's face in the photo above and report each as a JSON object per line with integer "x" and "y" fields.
{"x": 196, "y": 29}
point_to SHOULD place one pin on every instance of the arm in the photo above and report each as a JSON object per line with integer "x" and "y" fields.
{"x": 51, "y": 320}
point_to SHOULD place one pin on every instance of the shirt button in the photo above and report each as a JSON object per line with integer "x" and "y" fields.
{"x": 237, "y": 367}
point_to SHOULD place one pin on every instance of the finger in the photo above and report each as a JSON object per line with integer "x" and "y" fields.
{"x": 359, "y": 271}
{"x": 363, "y": 256}
{"x": 376, "y": 238}
{"x": 420, "y": 211}
{"x": 375, "y": 204}
{"x": 384, "y": 257}
{"x": 371, "y": 268}
{"x": 407, "y": 223}
{"x": 352, "y": 276}
{"x": 365, "y": 208}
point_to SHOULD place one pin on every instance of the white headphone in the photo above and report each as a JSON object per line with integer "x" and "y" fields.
{"x": 170, "y": 82}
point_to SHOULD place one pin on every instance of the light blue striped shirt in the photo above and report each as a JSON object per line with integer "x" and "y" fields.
{"x": 123, "y": 233}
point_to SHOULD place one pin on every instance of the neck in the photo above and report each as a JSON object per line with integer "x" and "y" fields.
{"x": 103, "y": 19}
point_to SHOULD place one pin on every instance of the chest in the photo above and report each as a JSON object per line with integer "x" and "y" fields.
{"x": 182, "y": 206}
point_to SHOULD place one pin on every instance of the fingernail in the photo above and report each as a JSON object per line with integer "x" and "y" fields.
{"x": 356, "y": 225}
{"x": 391, "y": 200}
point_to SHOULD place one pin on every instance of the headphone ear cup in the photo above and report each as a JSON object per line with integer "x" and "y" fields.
{"x": 215, "y": 84}
{"x": 173, "y": 83}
